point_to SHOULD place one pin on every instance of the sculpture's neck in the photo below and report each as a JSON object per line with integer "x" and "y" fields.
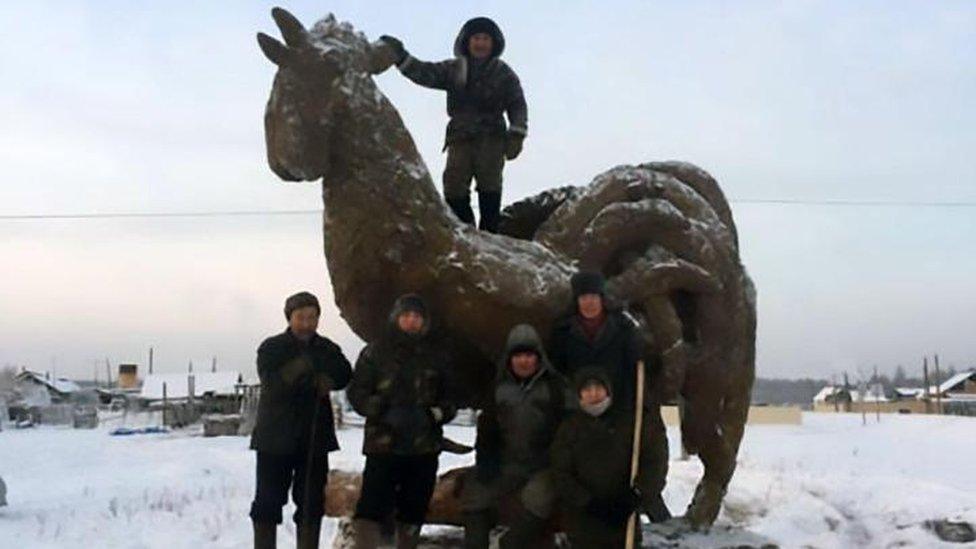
{"x": 378, "y": 194}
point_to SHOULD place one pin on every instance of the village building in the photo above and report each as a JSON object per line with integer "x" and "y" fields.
{"x": 956, "y": 395}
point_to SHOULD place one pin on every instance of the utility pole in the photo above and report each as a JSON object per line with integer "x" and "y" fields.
{"x": 938, "y": 386}
{"x": 925, "y": 379}
{"x": 877, "y": 397}
{"x": 213, "y": 365}
{"x": 108, "y": 372}
{"x": 833, "y": 392}
{"x": 150, "y": 360}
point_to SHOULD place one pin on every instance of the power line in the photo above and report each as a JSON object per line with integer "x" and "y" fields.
{"x": 254, "y": 213}
{"x": 143, "y": 215}
{"x": 843, "y": 202}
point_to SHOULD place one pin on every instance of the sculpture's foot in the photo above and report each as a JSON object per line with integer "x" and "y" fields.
{"x": 705, "y": 506}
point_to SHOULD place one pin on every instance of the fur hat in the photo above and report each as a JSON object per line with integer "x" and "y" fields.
{"x": 588, "y": 282}
{"x": 474, "y": 26}
{"x": 300, "y": 300}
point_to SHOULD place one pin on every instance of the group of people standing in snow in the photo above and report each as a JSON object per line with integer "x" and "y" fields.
{"x": 557, "y": 427}
{"x": 555, "y": 433}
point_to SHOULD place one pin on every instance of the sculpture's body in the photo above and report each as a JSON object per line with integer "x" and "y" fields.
{"x": 661, "y": 232}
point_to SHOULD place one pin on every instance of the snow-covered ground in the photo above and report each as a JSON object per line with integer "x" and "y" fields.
{"x": 828, "y": 483}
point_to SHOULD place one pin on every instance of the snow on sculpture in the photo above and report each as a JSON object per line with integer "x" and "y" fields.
{"x": 662, "y": 233}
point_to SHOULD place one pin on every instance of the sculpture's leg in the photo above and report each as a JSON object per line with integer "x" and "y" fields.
{"x": 714, "y": 426}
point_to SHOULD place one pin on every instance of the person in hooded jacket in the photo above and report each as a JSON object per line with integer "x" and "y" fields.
{"x": 595, "y": 334}
{"x": 591, "y": 457}
{"x": 294, "y": 432}
{"x": 403, "y": 386}
{"x": 480, "y": 89}
{"x": 515, "y": 429}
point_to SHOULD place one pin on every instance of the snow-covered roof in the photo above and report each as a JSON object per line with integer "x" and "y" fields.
{"x": 827, "y": 391}
{"x": 59, "y": 384}
{"x": 855, "y": 394}
{"x": 909, "y": 392}
{"x": 177, "y": 385}
{"x": 950, "y": 383}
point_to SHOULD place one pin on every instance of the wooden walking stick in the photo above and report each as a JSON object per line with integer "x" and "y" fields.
{"x": 635, "y": 454}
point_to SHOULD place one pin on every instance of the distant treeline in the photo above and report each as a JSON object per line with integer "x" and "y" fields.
{"x": 786, "y": 391}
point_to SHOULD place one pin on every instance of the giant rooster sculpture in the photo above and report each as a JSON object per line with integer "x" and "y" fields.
{"x": 661, "y": 232}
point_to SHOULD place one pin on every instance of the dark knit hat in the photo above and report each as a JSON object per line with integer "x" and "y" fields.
{"x": 588, "y": 282}
{"x": 474, "y": 26}
{"x": 592, "y": 374}
{"x": 409, "y": 303}
{"x": 300, "y": 300}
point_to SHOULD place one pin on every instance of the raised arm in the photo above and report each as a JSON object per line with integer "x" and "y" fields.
{"x": 430, "y": 75}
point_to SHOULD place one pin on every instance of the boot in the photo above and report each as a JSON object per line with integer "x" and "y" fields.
{"x": 367, "y": 534}
{"x": 407, "y": 535}
{"x": 265, "y": 535}
{"x": 657, "y": 510}
{"x": 524, "y": 532}
{"x": 477, "y": 527}
{"x": 308, "y": 535}
{"x": 462, "y": 209}
{"x": 489, "y": 205}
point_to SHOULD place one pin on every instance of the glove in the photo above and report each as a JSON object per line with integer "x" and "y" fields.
{"x": 513, "y": 145}
{"x": 323, "y": 385}
{"x": 397, "y": 46}
{"x": 407, "y": 421}
{"x": 614, "y": 511}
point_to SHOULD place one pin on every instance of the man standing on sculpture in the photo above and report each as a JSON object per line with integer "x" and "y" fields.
{"x": 594, "y": 334}
{"x": 294, "y": 431}
{"x": 480, "y": 88}
{"x": 515, "y": 429}
{"x": 403, "y": 386}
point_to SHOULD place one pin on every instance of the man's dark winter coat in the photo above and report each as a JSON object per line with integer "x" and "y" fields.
{"x": 288, "y": 369}
{"x": 616, "y": 348}
{"x": 519, "y": 421}
{"x": 478, "y": 91}
{"x": 591, "y": 461}
{"x": 397, "y": 383}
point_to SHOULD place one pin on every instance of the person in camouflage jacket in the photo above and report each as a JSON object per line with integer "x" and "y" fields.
{"x": 403, "y": 386}
{"x": 480, "y": 88}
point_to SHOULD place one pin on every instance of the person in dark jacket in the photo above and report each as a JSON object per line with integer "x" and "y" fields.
{"x": 515, "y": 429}
{"x": 295, "y": 432}
{"x": 593, "y": 334}
{"x": 403, "y": 386}
{"x": 591, "y": 460}
{"x": 480, "y": 89}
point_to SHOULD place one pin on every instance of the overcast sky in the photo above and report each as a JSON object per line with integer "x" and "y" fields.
{"x": 157, "y": 107}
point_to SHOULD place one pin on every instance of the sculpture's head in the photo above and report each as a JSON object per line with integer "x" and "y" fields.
{"x": 320, "y": 72}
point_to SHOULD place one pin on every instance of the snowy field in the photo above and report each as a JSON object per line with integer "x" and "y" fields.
{"x": 828, "y": 483}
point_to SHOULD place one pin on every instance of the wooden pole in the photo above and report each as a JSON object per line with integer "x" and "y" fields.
{"x": 150, "y": 360}
{"x": 108, "y": 372}
{"x": 164, "y": 404}
{"x": 635, "y": 453}
{"x": 938, "y": 387}
{"x": 877, "y": 397}
{"x": 925, "y": 379}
